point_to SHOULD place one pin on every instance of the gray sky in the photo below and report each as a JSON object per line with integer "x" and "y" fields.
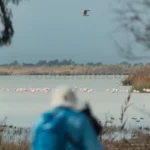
{"x": 56, "y": 29}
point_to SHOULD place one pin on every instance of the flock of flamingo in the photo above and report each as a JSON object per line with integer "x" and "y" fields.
{"x": 146, "y": 90}
{"x": 84, "y": 90}
{"x": 126, "y": 91}
{"x": 121, "y": 91}
{"x": 117, "y": 91}
{"x": 42, "y": 90}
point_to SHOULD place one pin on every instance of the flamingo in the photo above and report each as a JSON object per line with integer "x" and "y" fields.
{"x": 107, "y": 90}
{"x": 89, "y": 91}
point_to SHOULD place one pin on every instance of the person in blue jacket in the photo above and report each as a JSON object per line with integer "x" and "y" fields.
{"x": 64, "y": 127}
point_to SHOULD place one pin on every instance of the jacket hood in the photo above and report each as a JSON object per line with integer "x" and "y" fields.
{"x": 64, "y": 96}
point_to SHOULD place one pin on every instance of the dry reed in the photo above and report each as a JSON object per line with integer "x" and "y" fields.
{"x": 139, "y": 80}
{"x": 67, "y": 70}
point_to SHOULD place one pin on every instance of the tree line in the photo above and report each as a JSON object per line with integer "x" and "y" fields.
{"x": 66, "y": 62}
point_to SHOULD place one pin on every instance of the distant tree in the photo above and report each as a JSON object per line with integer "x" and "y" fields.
{"x": 4, "y": 65}
{"x": 94, "y": 64}
{"x": 28, "y": 64}
{"x": 133, "y": 17}
{"x": 5, "y": 15}
{"x": 99, "y": 64}
{"x": 49, "y": 63}
{"x": 41, "y": 63}
{"x": 90, "y": 64}
{"x": 70, "y": 62}
{"x": 73, "y": 63}
{"x": 53, "y": 62}
{"x": 81, "y": 64}
{"x": 125, "y": 63}
{"x": 66, "y": 62}
{"x": 56, "y": 62}
{"x": 14, "y": 63}
{"x": 138, "y": 64}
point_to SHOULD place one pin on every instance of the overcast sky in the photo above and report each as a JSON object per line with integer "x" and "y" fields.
{"x": 56, "y": 29}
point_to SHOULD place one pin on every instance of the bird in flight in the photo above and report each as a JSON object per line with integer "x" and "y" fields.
{"x": 85, "y": 13}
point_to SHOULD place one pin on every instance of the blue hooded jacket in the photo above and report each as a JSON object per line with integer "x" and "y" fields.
{"x": 64, "y": 129}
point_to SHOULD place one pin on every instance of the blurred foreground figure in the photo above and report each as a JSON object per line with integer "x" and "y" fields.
{"x": 63, "y": 127}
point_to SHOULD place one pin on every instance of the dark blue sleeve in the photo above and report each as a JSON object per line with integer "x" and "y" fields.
{"x": 89, "y": 139}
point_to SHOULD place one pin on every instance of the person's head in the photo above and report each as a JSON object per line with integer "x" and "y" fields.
{"x": 63, "y": 96}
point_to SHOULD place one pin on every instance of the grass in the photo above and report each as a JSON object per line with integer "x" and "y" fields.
{"x": 67, "y": 70}
{"x": 15, "y": 138}
{"x": 141, "y": 141}
{"x": 139, "y": 80}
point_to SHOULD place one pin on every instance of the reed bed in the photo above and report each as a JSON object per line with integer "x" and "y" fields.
{"x": 139, "y": 80}
{"x": 142, "y": 142}
{"x": 68, "y": 70}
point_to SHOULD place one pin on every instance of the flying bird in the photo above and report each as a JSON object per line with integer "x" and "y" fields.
{"x": 85, "y": 13}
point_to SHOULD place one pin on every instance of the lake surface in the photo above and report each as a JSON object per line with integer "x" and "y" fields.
{"x": 22, "y": 109}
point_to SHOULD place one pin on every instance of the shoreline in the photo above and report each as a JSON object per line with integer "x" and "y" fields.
{"x": 134, "y": 139}
{"x": 68, "y": 70}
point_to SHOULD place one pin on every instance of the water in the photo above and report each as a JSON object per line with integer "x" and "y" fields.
{"x": 22, "y": 109}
